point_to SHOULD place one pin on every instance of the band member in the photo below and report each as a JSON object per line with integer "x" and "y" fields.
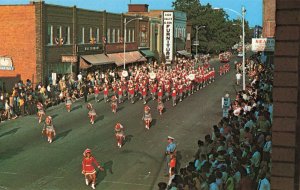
{"x": 180, "y": 89}
{"x": 144, "y": 94}
{"x": 168, "y": 90}
{"x": 105, "y": 93}
{"x": 174, "y": 96}
{"x": 131, "y": 94}
{"x": 120, "y": 136}
{"x": 120, "y": 95}
{"x": 41, "y": 111}
{"x": 92, "y": 113}
{"x": 68, "y": 103}
{"x": 88, "y": 170}
{"x": 153, "y": 91}
{"x": 114, "y": 104}
{"x": 160, "y": 94}
{"x": 96, "y": 93}
{"x": 147, "y": 117}
{"x": 160, "y": 106}
{"x": 48, "y": 129}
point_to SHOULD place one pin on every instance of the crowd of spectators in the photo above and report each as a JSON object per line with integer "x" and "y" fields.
{"x": 23, "y": 97}
{"x": 236, "y": 155}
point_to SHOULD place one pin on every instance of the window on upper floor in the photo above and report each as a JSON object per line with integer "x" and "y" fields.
{"x": 50, "y": 35}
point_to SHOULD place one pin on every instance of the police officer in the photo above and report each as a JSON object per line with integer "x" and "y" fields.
{"x": 170, "y": 150}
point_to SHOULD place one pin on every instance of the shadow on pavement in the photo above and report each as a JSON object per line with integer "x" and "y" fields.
{"x": 100, "y": 117}
{"x": 13, "y": 131}
{"x": 107, "y": 168}
{"x": 120, "y": 108}
{"x": 54, "y": 116}
{"x": 63, "y": 134}
{"x": 127, "y": 139}
{"x": 178, "y": 159}
{"x": 7, "y": 154}
{"x": 76, "y": 107}
{"x": 153, "y": 122}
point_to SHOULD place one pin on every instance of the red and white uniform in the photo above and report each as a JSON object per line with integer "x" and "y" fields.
{"x": 88, "y": 165}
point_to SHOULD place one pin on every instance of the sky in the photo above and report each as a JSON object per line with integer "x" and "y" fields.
{"x": 253, "y": 7}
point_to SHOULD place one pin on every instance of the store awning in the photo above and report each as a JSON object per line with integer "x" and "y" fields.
{"x": 147, "y": 53}
{"x": 184, "y": 53}
{"x": 97, "y": 59}
{"x": 83, "y": 64}
{"x": 130, "y": 57}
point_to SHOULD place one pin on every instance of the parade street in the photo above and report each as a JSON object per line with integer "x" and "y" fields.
{"x": 28, "y": 161}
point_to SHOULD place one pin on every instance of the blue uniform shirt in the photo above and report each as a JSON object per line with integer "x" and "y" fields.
{"x": 171, "y": 147}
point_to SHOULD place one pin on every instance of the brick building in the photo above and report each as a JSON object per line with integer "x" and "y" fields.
{"x": 286, "y": 131}
{"x": 39, "y": 39}
{"x": 180, "y": 38}
{"x": 269, "y": 7}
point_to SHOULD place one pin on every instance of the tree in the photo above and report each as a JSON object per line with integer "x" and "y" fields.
{"x": 219, "y": 34}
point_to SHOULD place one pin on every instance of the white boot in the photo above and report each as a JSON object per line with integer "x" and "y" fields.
{"x": 86, "y": 181}
{"x": 93, "y": 186}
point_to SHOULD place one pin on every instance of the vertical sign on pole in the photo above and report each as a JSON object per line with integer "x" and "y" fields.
{"x": 168, "y": 36}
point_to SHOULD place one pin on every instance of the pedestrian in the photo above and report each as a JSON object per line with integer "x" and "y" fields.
{"x": 88, "y": 169}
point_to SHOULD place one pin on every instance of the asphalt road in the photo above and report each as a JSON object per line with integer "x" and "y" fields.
{"x": 28, "y": 161}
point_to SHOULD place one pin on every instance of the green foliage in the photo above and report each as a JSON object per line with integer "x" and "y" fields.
{"x": 220, "y": 33}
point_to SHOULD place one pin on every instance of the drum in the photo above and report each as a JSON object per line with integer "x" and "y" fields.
{"x": 152, "y": 75}
{"x": 191, "y": 77}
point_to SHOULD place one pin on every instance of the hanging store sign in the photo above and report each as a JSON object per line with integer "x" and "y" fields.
{"x": 168, "y": 36}
{"x": 263, "y": 44}
{"x": 69, "y": 58}
{"x": 6, "y": 64}
{"x": 89, "y": 47}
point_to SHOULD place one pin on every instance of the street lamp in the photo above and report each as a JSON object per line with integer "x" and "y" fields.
{"x": 125, "y": 24}
{"x": 243, "y": 17}
{"x": 197, "y": 42}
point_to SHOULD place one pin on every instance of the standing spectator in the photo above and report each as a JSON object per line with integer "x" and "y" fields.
{"x": 238, "y": 78}
{"x": 264, "y": 183}
{"x": 172, "y": 164}
{"x": 85, "y": 92}
{"x": 22, "y": 106}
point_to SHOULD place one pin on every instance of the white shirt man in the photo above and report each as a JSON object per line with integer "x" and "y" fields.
{"x": 79, "y": 76}
{"x": 238, "y": 78}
